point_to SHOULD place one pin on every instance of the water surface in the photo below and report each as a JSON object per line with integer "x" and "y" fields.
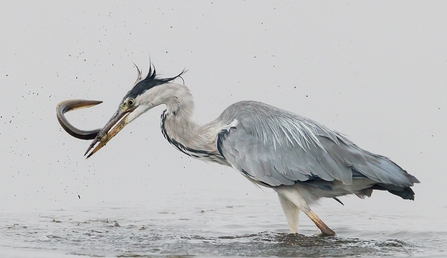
{"x": 211, "y": 229}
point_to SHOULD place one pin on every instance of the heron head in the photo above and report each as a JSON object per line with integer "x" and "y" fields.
{"x": 144, "y": 95}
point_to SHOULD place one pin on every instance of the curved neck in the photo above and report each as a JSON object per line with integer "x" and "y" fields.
{"x": 181, "y": 130}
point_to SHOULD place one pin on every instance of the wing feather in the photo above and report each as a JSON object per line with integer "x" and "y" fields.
{"x": 277, "y": 147}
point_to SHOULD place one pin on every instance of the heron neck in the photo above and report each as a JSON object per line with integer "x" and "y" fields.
{"x": 182, "y": 131}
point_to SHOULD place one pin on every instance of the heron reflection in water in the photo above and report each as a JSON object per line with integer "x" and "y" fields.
{"x": 300, "y": 159}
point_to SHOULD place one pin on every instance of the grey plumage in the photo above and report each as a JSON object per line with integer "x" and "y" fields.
{"x": 276, "y": 147}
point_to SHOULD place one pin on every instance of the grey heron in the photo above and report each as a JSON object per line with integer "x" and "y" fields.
{"x": 300, "y": 159}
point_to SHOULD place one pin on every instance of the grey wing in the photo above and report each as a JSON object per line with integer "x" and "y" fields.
{"x": 275, "y": 147}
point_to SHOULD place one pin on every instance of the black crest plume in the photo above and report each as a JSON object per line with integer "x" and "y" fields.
{"x": 150, "y": 81}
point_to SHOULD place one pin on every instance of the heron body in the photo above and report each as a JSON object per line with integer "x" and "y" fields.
{"x": 297, "y": 157}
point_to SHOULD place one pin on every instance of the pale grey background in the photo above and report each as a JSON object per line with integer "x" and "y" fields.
{"x": 375, "y": 71}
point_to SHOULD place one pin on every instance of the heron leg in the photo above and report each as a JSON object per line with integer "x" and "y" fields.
{"x": 292, "y": 213}
{"x": 294, "y": 196}
{"x": 325, "y": 230}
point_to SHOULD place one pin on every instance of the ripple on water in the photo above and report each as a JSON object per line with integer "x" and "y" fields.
{"x": 141, "y": 237}
{"x": 289, "y": 245}
{"x": 261, "y": 244}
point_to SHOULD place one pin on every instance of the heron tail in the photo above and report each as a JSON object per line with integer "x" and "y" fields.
{"x": 405, "y": 193}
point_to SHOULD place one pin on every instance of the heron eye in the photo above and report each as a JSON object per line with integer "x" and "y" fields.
{"x": 130, "y": 102}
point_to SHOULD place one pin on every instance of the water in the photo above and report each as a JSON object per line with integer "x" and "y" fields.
{"x": 207, "y": 228}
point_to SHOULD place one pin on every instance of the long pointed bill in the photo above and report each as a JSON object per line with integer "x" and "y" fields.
{"x": 112, "y": 128}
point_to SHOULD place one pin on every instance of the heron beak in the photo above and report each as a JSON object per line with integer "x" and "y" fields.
{"x": 113, "y": 127}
